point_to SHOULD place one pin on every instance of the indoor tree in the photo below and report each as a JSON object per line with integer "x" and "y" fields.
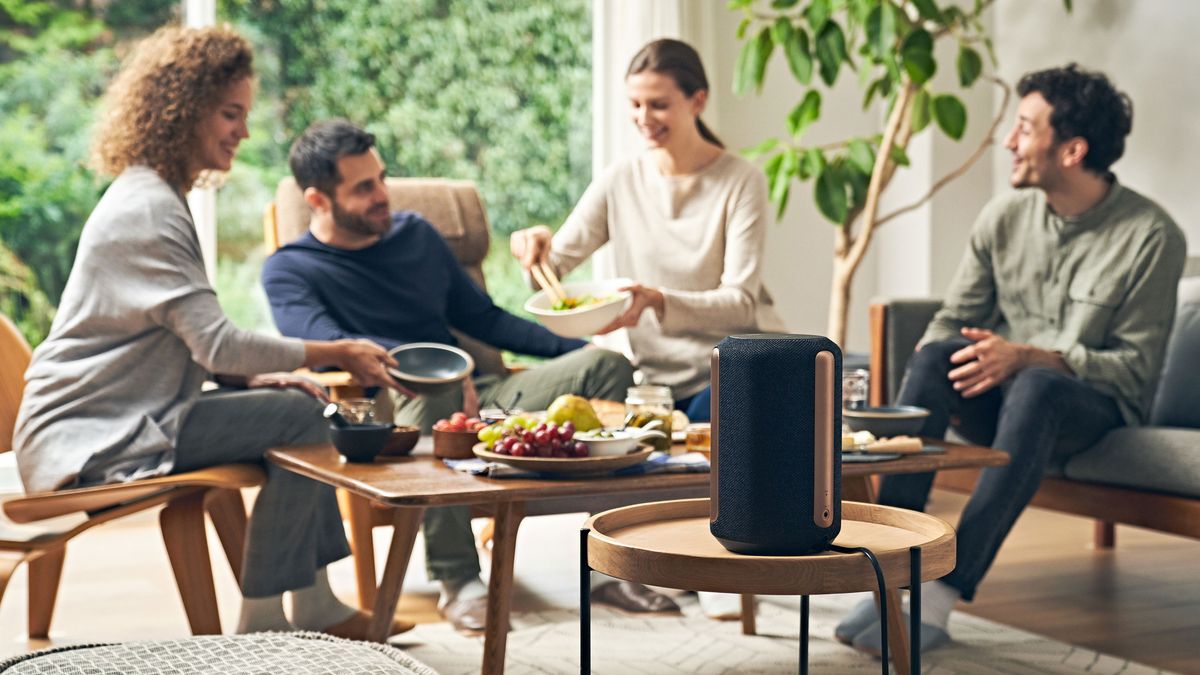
{"x": 891, "y": 45}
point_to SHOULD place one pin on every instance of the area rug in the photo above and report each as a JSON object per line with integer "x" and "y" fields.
{"x": 623, "y": 644}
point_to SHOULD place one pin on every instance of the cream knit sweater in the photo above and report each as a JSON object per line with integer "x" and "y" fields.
{"x": 699, "y": 238}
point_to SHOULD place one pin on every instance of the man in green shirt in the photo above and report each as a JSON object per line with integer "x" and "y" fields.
{"x": 1053, "y": 330}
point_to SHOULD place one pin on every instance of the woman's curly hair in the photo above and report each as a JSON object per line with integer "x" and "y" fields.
{"x": 152, "y": 109}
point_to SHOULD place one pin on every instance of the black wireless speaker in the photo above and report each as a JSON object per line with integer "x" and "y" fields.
{"x": 776, "y": 443}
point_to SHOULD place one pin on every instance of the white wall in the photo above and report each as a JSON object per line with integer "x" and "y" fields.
{"x": 1147, "y": 47}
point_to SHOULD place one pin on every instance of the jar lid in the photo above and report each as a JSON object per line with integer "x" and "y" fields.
{"x": 648, "y": 392}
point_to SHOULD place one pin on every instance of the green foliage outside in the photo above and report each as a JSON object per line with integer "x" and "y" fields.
{"x": 484, "y": 90}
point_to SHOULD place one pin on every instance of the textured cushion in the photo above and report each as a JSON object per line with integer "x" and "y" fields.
{"x": 293, "y": 653}
{"x": 1149, "y": 458}
{"x": 1178, "y": 401}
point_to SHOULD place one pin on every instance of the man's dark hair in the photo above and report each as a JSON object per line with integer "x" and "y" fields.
{"x": 314, "y": 156}
{"x": 1085, "y": 105}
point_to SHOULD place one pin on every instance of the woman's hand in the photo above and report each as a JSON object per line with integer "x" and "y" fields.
{"x": 643, "y": 297}
{"x": 531, "y": 245}
{"x": 287, "y": 381}
{"x": 363, "y": 359}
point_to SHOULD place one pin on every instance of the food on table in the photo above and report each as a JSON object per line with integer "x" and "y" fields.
{"x": 856, "y": 439}
{"x": 575, "y": 302}
{"x": 459, "y": 422}
{"x": 522, "y": 437}
{"x": 573, "y": 409}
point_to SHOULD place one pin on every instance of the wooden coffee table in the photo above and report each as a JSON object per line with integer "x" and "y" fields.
{"x": 669, "y": 544}
{"x": 411, "y": 484}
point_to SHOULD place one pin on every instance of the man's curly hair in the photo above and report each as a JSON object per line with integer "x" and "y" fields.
{"x": 152, "y": 109}
{"x": 1085, "y": 105}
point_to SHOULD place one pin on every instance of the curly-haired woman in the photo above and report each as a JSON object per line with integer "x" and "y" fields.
{"x": 114, "y": 393}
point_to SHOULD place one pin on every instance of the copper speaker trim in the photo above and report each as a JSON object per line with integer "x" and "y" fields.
{"x": 714, "y": 449}
{"x": 823, "y": 380}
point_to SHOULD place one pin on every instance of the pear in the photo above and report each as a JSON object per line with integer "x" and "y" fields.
{"x": 573, "y": 409}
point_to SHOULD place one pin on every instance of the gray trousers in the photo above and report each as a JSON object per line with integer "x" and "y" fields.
{"x": 295, "y": 528}
{"x": 592, "y": 373}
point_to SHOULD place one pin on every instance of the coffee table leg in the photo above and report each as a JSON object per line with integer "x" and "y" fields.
{"x": 405, "y": 522}
{"x": 914, "y": 609}
{"x": 804, "y": 635}
{"x": 504, "y": 545}
{"x": 585, "y": 605}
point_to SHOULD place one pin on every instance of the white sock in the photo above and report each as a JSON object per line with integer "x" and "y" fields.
{"x": 937, "y": 601}
{"x": 316, "y": 607}
{"x": 460, "y": 589}
{"x": 263, "y": 614}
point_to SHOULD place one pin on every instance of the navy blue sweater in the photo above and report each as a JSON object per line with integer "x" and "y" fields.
{"x": 408, "y": 287}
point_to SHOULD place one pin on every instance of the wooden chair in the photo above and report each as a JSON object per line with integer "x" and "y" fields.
{"x": 186, "y": 498}
{"x": 455, "y": 209}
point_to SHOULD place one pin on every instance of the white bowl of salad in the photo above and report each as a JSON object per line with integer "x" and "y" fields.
{"x": 589, "y": 306}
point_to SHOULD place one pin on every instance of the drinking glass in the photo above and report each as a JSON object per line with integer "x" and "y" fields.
{"x": 855, "y": 386}
{"x": 358, "y": 410}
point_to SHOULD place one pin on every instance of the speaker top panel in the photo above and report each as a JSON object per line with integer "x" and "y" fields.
{"x": 776, "y": 336}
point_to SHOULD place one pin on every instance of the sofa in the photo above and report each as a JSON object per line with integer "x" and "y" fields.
{"x": 1146, "y": 476}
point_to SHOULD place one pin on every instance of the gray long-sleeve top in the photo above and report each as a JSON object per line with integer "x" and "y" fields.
{"x": 136, "y": 333}
{"x": 1099, "y": 288}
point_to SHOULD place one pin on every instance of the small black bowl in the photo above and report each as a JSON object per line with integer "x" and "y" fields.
{"x": 360, "y": 442}
{"x": 885, "y": 422}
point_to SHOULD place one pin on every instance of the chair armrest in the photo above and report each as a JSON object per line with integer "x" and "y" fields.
{"x": 896, "y": 325}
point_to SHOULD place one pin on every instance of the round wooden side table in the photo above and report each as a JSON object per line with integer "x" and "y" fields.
{"x": 669, "y": 544}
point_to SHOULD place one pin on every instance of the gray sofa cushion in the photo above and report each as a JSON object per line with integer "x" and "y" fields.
{"x": 292, "y": 653}
{"x": 1177, "y": 403}
{"x": 1148, "y": 458}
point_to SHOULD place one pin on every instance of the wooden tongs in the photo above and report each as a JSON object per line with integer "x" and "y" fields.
{"x": 544, "y": 274}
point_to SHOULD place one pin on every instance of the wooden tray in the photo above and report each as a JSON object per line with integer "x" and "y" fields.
{"x": 563, "y": 465}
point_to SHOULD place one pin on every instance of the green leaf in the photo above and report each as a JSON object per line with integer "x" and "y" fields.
{"x": 818, "y": 13}
{"x": 917, "y": 52}
{"x": 781, "y": 31}
{"x": 829, "y": 192}
{"x": 881, "y": 29}
{"x": 812, "y": 163}
{"x": 739, "y": 4}
{"x": 771, "y": 168}
{"x": 798, "y": 56}
{"x": 1067, "y": 5}
{"x": 872, "y": 89}
{"x": 950, "y": 115}
{"x": 921, "y": 112}
{"x": 928, "y": 10}
{"x": 861, "y": 155}
{"x": 784, "y": 4}
{"x": 805, "y": 113}
{"x": 831, "y": 51}
{"x": 900, "y": 156}
{"x": 752, "y": 62}
{"x": 970, "y": 65}
{"x": 756, "y": 151}
{"x": 741, "y": 29}
{"x": 858, "y": 182}
{"x": 782, "y": 186}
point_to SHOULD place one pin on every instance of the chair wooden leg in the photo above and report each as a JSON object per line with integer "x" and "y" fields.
{"x": 360, "y": 517}
{"x": 45, "y": 571}
{"x": 182, "y": 524}
{"x": 1104, "y": 534}
{"x": 9, "y": 560}
{"x": 228, "y": 514}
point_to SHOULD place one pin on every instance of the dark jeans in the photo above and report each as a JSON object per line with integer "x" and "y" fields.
{"x": 1037, "y": 416}
{"x": 697, "y": 407}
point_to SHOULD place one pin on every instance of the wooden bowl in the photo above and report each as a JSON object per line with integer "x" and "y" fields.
{"x": 402, "y": 441}
{"x": 454, "y": 444}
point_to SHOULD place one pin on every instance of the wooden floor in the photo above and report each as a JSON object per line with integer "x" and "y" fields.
{"x": 1140, "y": 601}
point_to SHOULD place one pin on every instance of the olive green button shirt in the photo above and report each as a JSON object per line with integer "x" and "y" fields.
{"x": 1098, "y": 288}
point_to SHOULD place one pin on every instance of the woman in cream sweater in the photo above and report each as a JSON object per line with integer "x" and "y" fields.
{"x": 686, "y": 220}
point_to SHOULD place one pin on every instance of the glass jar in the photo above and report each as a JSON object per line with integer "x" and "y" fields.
{"x": 649, "y": 402}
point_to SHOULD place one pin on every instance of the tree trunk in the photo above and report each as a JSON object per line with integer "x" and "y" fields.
{"x": 839, "y": 300}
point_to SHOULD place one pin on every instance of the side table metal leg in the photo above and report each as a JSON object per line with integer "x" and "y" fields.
{"x": 914, "y": 610}
{"x": 585, "y": 606}
{"x": 804, "y": 635}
